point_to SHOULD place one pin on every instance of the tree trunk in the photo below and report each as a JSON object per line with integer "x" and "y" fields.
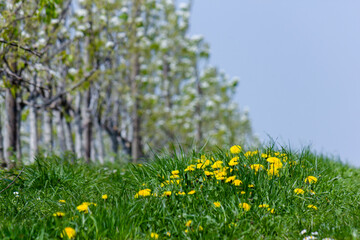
{"x": 68, "y": 136}
{"x": 87, "y": 125}
{"x": 199, "y": 134}
{"x": 78, "y": 127}
{"x": 2, "y": 158}
{"x": 136, "y": 150}
{"x": 60, "y": 130}
{"x": 10, "y": 127}
{"x": 33, "y": 144}
{"x": 48, "y": 133}
{"x": 99, "y": 141}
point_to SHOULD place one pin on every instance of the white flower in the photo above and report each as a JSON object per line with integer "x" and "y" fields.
{"x": 81, "y": 12}
{"x": 54, "y": 21}
{"x": 25, "y": 34}
{"x": 109, "y": 44}
{"x": 16, "y": 193}
{"x": 314, "y": 233}
{"x": 81, "y": 27}
{"x": 103, "y": 18}
{"x": 115, "y": 21}
{"x": 197, "y": 37}
{"x": 79, "y": 34}
{"x": 124, "y": 9}
{"x": 183, "y": 5}
{"x": 303, "y": 231}
{"x": 121, "y": 35}
{"x": 41, "y": 42}
{"x": 309, "y": 237}
{"x": 72, "y": 71}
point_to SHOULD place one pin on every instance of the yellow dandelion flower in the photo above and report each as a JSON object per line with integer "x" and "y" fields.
{"x": 310, "y": 179}
{"x": 174, "y": 176}
{"x": 275, "y": 162}
{"x": 242, "y": 192}
{"x": 229, "y": 179}
{"x": 168, "y": 234}
{"x": 62, "y": 201}
{"x": 181, "y": 193}
{"x": 247, "y": 154}
{"x": 191, "y": 192}
{"x": 271, "y": 210}
{"x": 245, "y": 206}
{"x": 273, "y": 171}
{"x": 69, "y": 232}
{"x": 234, "y": 161}
{"x": 217, "y": 164}
{"x": 175, "y": 172}
{"x": 59, "y": 214}
{"x": 105, "y": 196}
{"x": 312, "y": 206}
{"x": 154, "y": 235}
{"x": 312, "y": 192}
{"x": 251, "y": 185}
{"x": 186, "y": 231}
{"x": 264, "y": 155}
{"x": 263, "y": 205}
{"x": 237, "y": 182}
{"x": 217, "y": 204}
{"x": 188, "y": 223}
{"x": 167, "y": 193}
{"x": 257, "y": 167}
{"x": 207, "y": 173}
{"x": 190, "y": 168}
{"x": 201, "y": 228}
{"x": 83, "y": 208}
{"x": 298, "y": 191}
{"x": 144, "y": 192}
{"x": 235, "y": 149}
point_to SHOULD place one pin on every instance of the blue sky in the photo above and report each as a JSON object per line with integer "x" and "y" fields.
{"x": 298, "y": 64}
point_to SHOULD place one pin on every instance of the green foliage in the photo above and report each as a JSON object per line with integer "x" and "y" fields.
{"x": 27, "y": 208}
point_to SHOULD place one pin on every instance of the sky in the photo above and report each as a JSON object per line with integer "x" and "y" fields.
{"x": 298, "y": 64}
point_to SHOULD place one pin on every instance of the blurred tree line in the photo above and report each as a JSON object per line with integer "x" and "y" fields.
{"x": 109, "y": 79}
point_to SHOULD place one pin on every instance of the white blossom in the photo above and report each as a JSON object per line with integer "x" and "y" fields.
{"x": 81, "y": 12}
{"x": 115, "y": 21}
{"x": 72, "y": 71}
{"x": 183, "y": 5}
{"x": 81, "y": 27}
{"x": 121, "y": 35}
{"x": 79, "y": 34}
{"x": 103, "y": 18}
{"x": 303, "y": 232}
{"x": 54, "y": 21}
{"x": 41, "y": 42}
{"x": 109, "y": 44}
{"x": 197, "y": 37}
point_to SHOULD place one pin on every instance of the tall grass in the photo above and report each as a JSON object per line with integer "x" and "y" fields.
{"x": 28, "y": 206}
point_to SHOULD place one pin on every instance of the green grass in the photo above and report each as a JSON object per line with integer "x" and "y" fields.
{"x": 29, "y": 214}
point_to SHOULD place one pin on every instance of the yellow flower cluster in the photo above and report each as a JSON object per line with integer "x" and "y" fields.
{"x": 69, "y": 232}
{"x": 229, "y": 169}
{"x": 84, "y": 207}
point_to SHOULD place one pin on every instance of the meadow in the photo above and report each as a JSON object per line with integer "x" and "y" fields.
{"x": 235, "y": 193}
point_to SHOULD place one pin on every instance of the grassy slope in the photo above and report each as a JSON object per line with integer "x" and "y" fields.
{"x": 121, "y": 216}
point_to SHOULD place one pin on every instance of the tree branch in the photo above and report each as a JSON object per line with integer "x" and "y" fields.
{"x": 27, "y": 49}
{"x": 76, "y": 85}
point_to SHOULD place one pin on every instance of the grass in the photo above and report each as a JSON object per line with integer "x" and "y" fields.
{"x": 27, "y": 207}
